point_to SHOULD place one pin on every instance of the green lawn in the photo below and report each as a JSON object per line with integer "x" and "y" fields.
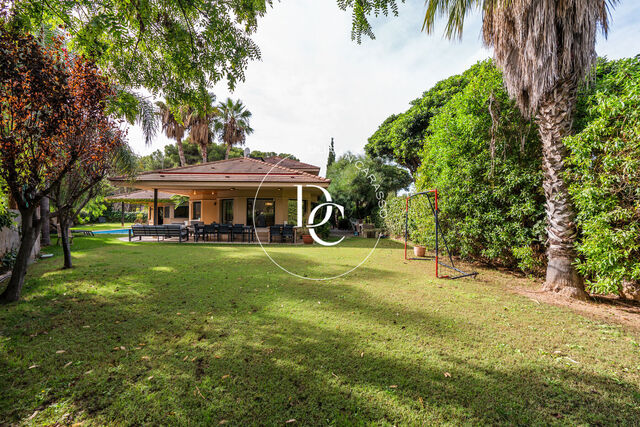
{"x": 105, "y": 226}
{"x": 161, "y": 333}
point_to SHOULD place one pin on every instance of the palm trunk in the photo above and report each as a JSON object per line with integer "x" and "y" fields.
{"x": 554, "y": 121}
{"x": 30, "y": 232}
{"x": 203, "y": 151}
{"x": 227, "y": 152}
{"x": 183, "y": 162}
{"x": 66, "y": 249}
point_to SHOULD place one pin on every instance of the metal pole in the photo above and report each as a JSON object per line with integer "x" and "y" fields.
{"x": 155, "y": 206}
{"x": 406, "y": 220}
{"x": 437, "y": 227}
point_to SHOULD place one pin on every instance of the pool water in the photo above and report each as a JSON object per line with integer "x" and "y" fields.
{"x": 119, "y": 231}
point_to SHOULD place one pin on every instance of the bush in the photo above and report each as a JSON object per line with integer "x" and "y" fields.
{"x": 487, "y": 173}
{"x": 604, "y": 168}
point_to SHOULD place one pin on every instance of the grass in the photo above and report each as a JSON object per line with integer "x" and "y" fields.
{"x": 103, "y": 226}
{"x": 157, "y": 333}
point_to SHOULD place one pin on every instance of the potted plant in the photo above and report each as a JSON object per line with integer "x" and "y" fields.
{"x": 419, "y": 250}
{"x": 306, "y": 237}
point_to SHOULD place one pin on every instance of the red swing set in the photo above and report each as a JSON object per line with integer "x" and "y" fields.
{"x": 439, "y": 234}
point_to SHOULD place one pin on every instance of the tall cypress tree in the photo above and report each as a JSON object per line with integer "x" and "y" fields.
{"x": 332, "y": 155}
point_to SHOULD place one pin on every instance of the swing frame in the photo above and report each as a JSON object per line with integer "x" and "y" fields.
{"x": 439, "y": 234}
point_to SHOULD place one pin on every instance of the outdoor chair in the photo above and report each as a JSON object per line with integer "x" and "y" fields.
{"x": 209, "y": 230}
{"x": 237, "y": 230}
{"x": 275, "y": 231}
{"x": 288, "y": 233}
{"x": 226, "y": 230}
{"x": 198, "y": 232}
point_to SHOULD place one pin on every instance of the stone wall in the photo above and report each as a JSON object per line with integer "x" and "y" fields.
{"x": 10, "y": 239}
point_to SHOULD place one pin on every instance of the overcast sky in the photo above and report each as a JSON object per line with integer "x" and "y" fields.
{"x": 314, "y": 82}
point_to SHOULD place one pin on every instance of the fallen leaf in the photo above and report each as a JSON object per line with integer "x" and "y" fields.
{"x": 421, "y": 402}
{"x": 61, "y": 351}
{"x": 185, "y": 358}
{"x": 32, "y": 416}
{"x": 292, "y": 420}
{"x": 88, "y": 372}
{"x": 223, "y": 422}
{"x": 393, "y": 386}
{"x": 225, "y": 376}
{"x": 362, "y": 354}
{"x": 146, "y": 358}
{"x": 33, "y": 366}
{"x": 122, "y": 347}
{"x": 67, "y": 364}
{"x": 447, "y": 374}
{"x": 150, "y": 378}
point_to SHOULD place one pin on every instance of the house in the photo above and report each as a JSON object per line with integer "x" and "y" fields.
{"x": 224, "y": 191}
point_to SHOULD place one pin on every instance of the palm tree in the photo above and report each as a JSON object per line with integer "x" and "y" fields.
{"x": 232, "y": 125}
{"x": 172, "y": 128}
{"x": 545, "y": 48}
{"x": 199, "y": 118}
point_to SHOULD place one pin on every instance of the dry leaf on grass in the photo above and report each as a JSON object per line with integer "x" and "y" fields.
{"x": 33, "y": 366}
{"x": 292, "y": 420}
{"x": 447, "y": 374}
{"x": 67, "y": 364}
{"x": 393, "y": 386}
{"x": 61, "y": 351}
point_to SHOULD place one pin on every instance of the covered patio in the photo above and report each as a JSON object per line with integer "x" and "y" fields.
{"x": 256, "y": 194}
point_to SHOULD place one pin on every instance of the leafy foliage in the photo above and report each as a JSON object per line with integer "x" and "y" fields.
{"x": 605, "y": 173}
{"x": 174, "y": 47}
{"x": 400, "y": 137}
{"x": 361, "y": 183}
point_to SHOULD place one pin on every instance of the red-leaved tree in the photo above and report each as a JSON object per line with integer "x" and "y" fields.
{"x": 48, "y": 105}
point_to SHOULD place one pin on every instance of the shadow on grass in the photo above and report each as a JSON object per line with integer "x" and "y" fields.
{"x": 159, "y": 336}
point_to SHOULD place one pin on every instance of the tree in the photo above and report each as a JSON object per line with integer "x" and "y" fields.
{"x": 173, "y": 128}
{"x": 171, "y": 47}
{"x": 401, "y": 137}
{"x": 45, "y": 97}
{"x": 232, "y": 124}
{"x": 98, "y": 136}
{"x": 544, "y": 49}
{"x": 352, "y": 187}
{"x": 199, "y": 118}
{"x": 332, "y": 155}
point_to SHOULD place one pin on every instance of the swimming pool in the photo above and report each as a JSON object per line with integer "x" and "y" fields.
{"x": 119, "y": 231}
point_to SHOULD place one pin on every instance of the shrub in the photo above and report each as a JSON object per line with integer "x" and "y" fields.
{"x": 604, "y": 168}
{"x": 487, "y": 172}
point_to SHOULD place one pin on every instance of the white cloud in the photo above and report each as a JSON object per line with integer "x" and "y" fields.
{"x": 314, "y": 82}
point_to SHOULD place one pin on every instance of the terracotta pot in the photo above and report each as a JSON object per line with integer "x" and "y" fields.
{"x": 419, "y": 251}
{"x": 307, "y": 239}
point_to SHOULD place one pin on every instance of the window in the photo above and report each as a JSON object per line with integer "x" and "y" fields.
{"x": 265, "y": 212}
{"x": 196, "y": 210}
{"x": 226, "y": 207}
{"x": 292, "y": 211}
{"x": 181, "y": 212}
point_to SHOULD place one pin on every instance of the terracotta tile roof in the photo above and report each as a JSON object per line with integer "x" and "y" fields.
{"x": 240, "y": 170}
{"x": 290, "y": 163}
{"x": 139, "y": 195}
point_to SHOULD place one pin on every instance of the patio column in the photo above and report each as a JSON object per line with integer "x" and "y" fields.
{"x": 155, "y": 206}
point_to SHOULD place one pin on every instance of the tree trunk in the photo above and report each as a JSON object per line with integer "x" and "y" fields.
{"x": 30, "y": 232}
{"x": 227, "y": 152}
{"x": 183, "y": 162}
{"x": 554, "y": 121}
{"x": 66, "y": 248}
{"x": 203, "y": 150}
{"x": 122, "y": 214}
{"x": 45, "y": 238}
